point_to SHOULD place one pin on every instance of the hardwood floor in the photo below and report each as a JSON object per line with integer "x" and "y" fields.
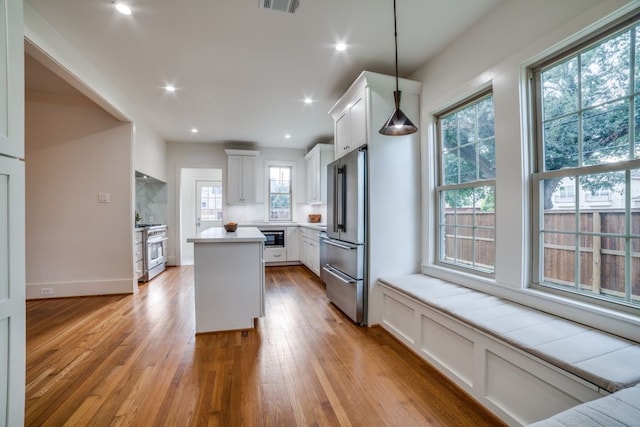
{"x": 134, "y": 360}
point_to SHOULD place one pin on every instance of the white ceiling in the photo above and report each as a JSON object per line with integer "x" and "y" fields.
{"x": 242, "y": 71}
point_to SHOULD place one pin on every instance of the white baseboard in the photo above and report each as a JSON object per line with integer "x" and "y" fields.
{"x": 83, "y": 288}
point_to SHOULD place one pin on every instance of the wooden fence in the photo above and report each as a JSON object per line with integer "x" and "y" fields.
{"x": 601, "y": 258}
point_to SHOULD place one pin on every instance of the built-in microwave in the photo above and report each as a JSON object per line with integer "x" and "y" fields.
{"x": 274, "y": 238}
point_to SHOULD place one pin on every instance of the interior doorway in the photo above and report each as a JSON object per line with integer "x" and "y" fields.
{"x": 201, "y": 204}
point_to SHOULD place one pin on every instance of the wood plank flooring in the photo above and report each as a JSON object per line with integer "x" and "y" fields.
{"x": 134, "y": 360}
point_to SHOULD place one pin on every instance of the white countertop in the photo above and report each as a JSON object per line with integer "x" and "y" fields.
{"x": 219, "y": 235}
{"x": 265, "y": 225}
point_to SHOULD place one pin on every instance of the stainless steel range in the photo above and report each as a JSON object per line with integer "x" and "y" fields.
{"x": 154, "y": 243}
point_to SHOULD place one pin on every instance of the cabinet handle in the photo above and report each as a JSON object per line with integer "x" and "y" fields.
{"x": 346, "y": 147}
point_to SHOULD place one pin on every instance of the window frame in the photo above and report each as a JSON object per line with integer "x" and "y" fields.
{"x": 440, "y": 187}
{"x": 291, "y": 167}
{"x": 539, "y": 174}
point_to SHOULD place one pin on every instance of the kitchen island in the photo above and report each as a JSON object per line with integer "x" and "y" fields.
{"x": 229, "y": 278}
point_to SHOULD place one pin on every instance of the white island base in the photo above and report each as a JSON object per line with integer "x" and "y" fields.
{"x": 229, "y": 279}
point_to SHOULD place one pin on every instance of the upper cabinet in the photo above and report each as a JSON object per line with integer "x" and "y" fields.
{"x": 241, "y": 177}
{"x": 350, "y": 125}
{"x": 366, "y": 106}
{"x": 316, "y": 166}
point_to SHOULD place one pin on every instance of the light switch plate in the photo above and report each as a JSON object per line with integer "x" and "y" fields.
{"x": 103, "y": 197}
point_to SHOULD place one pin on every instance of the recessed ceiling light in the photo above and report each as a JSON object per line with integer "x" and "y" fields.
{"x": 122, "y": 7}
{"x": 194, "y": 130}
{"x": 287, "y": 136}
{"x": 308, "y": 100}
{"x": 341, "y": 47}
{"x": 170, "y": 88}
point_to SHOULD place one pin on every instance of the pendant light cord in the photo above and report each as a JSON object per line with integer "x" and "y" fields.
{"x": 395, "y": 36}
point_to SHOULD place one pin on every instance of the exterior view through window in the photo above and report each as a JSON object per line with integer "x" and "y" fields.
{"x": 466, "y": 186}
{"x": 279, "y": 193}
{"x": 587, "y": 182}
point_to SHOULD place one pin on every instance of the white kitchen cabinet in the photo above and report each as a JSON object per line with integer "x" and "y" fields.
{"x": 241, "y": 177}
{"x": 228, "y": 279}
{"x": 316, "y": 163}
{"x": 292, "y": 243}
{"x": 138, "y": 254}
{"x": 310, "y": 249}
{"x": 350, "y": 124}
{"x": 275, "y": 254}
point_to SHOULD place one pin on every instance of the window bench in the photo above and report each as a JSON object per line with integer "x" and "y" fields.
{"x": 522, "y": 364}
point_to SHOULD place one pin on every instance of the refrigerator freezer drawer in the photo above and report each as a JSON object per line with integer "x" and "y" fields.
{"x": 345, "y": 292}
{"x": 346, "y": 257}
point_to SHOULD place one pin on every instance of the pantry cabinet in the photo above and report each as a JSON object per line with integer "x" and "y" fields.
{"x": 316, "y": 167}
{"x": 241, "y": 177}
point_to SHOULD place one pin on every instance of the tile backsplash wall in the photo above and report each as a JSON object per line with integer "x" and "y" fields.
{"x": 151, "y": 200}
{"x": 258, "y": 213}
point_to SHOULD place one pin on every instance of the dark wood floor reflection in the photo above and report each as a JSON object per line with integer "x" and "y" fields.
{"x": 134, "y": 360}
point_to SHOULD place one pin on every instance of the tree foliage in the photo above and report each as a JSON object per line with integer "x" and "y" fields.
{"x": 587, "y": 103}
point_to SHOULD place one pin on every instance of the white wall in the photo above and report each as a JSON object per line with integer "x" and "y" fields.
{"x": 75, "y": 245}
{"x": 494, "y": 53}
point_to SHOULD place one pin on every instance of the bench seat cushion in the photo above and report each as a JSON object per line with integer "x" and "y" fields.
{"x": 618, "y": 409}
{"x": 606, "y": 360}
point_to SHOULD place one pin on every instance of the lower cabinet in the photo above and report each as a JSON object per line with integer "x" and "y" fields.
{"x": 292, "y": 242}
{"x": 275, "y": 254}
{"x": 310, "y": 249}
{"x": 138, "y": 254}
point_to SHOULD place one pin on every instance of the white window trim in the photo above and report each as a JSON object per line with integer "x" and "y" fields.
{"x": 436, "y": 239}
{"x": 279, "y": 163}
{"x": 513, "y": 137}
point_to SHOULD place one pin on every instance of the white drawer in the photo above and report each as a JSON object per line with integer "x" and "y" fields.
{"x": 275, "y": 254}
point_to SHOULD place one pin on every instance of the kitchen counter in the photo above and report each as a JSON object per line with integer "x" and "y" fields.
{"x": 320, "y": 226}
{"x": 219, "y": 234}
{"x": 229, "y": 278}
{"x": 314, "y": 225}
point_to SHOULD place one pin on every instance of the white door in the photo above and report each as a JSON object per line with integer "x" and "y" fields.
{"x": 208, "y": 205}
{"x": 191, "y": 205}
{"x": 12, "y": 196}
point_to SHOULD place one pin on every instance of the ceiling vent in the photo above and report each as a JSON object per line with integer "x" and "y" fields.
{"x": 281, "y": 5}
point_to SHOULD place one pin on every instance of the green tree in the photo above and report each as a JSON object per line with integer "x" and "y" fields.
{"x": 585, "y": 112}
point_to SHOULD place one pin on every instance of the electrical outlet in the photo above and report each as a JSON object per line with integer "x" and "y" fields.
{"x": 46, "y": 291}
{"x": 103, "y": 197}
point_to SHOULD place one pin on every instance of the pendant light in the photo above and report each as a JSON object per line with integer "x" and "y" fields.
{"x": 398, "y": 123}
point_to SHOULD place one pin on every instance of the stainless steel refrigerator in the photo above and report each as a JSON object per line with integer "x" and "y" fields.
{"x": 343, "y": 248}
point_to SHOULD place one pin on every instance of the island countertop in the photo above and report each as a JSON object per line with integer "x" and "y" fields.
{"x": 220, "y": 235}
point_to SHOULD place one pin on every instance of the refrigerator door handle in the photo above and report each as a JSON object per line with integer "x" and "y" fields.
{"x": 342, "y": 198}
{"x": 339, "y": 245}
{"x": 336, "y": 201}
{"x": 338, "y": 275}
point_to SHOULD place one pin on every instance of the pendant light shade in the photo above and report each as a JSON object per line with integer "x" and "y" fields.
{"x": 398, "y": 123}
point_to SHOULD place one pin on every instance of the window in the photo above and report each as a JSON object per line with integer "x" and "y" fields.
{"x": 210, "y": 200}
{"x": 466, "y": 186}
{"x": 280, "y": 193}
{"x": 588, "y": 150}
